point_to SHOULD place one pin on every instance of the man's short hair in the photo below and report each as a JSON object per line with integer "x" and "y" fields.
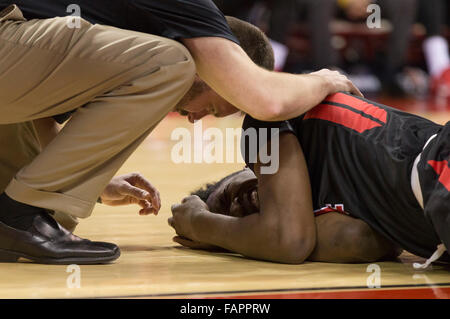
{"x": 253, "y": 41}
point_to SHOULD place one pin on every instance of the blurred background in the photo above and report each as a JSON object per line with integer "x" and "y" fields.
{"x": 403, "y": 61}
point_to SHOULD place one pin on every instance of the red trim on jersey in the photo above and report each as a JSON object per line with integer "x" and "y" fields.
{"x": 325, "y": 210}
{"x": 360, "y": 105}
{"x": 346, "y": 117}
{"x": 329, "y": 209}
{"x": 342, "y": 116}
{"x": 441, "y": 168}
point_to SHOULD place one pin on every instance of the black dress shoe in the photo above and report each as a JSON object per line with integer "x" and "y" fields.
{"x": 46, "y": 242}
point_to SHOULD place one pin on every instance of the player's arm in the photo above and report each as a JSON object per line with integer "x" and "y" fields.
{"x": 284, "y": 230}
{"x": 265, "y": 95}
{"x": 46, "y": 129}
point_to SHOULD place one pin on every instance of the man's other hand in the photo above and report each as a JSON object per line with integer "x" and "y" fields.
{"x": 132, "y": 189}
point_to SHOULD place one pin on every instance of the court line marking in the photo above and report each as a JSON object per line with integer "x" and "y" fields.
{"x": 379, "y": 293}
{"x": 293, "y": 290}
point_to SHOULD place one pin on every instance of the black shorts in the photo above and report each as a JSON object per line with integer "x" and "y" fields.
{"x": 434, "y": 177}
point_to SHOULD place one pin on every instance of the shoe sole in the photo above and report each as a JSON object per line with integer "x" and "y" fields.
{"x": 7, "y": 256}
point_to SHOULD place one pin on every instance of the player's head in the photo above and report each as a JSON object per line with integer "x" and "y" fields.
{"x": 235, "y": 195}
{"x": 201, "y": 100}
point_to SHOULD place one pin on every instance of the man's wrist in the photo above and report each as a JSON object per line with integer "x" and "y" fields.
{"x": 326, "y": 86}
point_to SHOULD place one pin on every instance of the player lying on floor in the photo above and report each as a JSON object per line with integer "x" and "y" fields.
{"x": 360, "y": 162}
{"x": 340, "y": 238}
{"x": 362, "y": 159}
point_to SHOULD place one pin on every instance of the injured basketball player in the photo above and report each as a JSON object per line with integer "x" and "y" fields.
{"x": 356, "y": 182}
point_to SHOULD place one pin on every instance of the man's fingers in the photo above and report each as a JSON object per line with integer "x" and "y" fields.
{"x": 141, "y": 195}
{"x": 135, "y": 192}
{"x": 354, "y": 90}
{"x": 148, "y": 211}
{"x": 340, "y": 81}
{"x": 147, "y": 208}
{"x": 154, "y": 195}
{"x": 144, "y": 203}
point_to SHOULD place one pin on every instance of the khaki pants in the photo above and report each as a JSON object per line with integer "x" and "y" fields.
{"x": 121, "y": 84}
{"x": 19, "y": 146}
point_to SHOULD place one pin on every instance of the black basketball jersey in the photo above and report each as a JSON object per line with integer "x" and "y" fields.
{"x": 360, "y": 156}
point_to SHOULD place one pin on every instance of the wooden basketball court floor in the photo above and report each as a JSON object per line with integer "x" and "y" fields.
{"x": 152, "y": 266}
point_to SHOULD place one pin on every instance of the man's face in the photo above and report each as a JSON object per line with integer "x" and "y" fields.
{"x": 236, "y": 196}
{"x": 207, "y": 102}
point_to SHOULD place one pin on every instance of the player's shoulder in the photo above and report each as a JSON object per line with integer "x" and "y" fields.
{"x": 250, "y": 122}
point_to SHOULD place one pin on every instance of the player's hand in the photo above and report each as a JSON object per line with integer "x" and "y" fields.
{"x": 337, "y": 82}
{"x": 196, "y": 245}
{"x": 183, "y": 216}
{"x": 132, "y": 189}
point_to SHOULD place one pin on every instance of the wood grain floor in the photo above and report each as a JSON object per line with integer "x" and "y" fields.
{"x": 152, "y": 266}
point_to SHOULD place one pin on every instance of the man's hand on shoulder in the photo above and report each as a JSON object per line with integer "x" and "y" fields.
{"x": 337, "y": 82}
{"x": 265, "y": 95}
